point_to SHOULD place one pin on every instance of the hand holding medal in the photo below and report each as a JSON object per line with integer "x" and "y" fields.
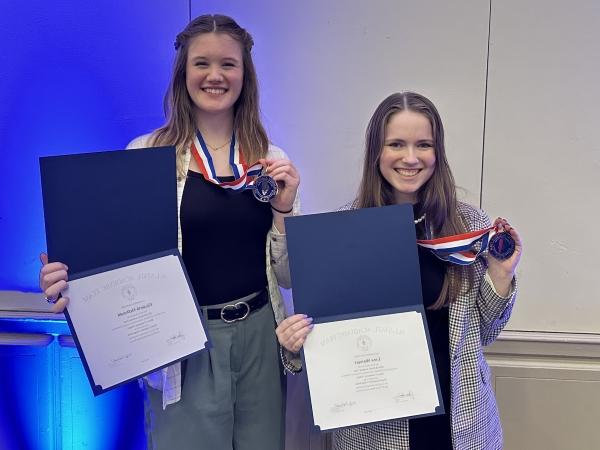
{"x": 264, "y": 188}
{"x": 501, "y": 245}
{"x": 505, "y": 248}
{"x": 285, "y": 177}
{"x": 271, "y": 180}
{"x": 501, "y": 240}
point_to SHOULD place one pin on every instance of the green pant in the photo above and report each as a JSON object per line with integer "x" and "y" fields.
{"x": 233, "y": 395}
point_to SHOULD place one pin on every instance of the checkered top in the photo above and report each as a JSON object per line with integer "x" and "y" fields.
{"x": 476, "y": 318}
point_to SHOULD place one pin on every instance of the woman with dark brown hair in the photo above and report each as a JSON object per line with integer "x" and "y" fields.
{"x": 466, "y": 305}
{"x": 233, "y": 246}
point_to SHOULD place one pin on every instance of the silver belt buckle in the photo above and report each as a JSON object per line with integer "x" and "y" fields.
{"x": 234, "y": 307}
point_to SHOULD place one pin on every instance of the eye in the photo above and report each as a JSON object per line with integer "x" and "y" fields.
{"x": 395, "y": 144}
{"x": 200, "y": 64}
{"x": 229, "y": 63}
{"x": 425, "y": 145}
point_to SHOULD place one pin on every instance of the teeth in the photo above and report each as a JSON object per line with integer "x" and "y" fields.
{"x": 408, "y": 172}
{"x": 214, "y": 91}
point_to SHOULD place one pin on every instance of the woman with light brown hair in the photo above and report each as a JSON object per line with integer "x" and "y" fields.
{"x": 233, "y": 246}
{"x": 466, "y": 305}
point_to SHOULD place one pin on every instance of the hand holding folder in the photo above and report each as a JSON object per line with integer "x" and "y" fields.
{"x": 368, "y": 357}
{"x": 112, "y": 218}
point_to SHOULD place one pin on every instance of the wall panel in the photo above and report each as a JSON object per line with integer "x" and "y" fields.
{"x": 74, "y": 77}
{"x": 324, "y": 66}
{"x": 542, "y": 156}
{"x": 547, "y": 387}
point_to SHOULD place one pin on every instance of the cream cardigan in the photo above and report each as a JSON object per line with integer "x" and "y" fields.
{"x": 168, "y": 379}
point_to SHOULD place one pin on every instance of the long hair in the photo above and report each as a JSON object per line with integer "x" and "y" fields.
{"x": 180, "y": 126}
{"x": 437, "y": 197}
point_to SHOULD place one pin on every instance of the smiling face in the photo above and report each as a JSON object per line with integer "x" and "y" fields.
{"x": 214, "y": 73}
{"x": 407, "y": 160}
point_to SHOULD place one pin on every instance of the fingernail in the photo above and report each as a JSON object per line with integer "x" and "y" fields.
{"x": 311, "y": 326}
{"x": 309, "y": 319}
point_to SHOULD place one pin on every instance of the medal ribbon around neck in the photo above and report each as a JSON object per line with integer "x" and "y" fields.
{"x": 243, "y": 175}
{"x": 458, "y": 249}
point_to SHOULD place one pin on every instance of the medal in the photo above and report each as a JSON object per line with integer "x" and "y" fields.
{"x": 264, "y": 188}
{"x": 501, "y": 245}
{"x": 242, "y": 174}
{"x": 461, "y": 248}
{"x": 458, "y": 249}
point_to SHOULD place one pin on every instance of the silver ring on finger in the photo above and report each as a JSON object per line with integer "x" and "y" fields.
{"x": 50, "y": 300}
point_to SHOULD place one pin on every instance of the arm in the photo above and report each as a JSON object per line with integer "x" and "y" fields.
{"x": 498, "y": 285}
{"x": 278, "y": 254}
{"x": 288, "y": 179}
{"x": 140, "y": 142}
{"x": 494, "y": 310}
{"x": 53, "y": 280}
{"x": 292, "y": 332}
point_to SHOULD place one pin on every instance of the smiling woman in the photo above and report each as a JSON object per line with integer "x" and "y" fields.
{"x": 233, "y": 246}
{"x": 467, "y": 305}
{"x": 215, "y": 73}
{"x": 407, "y": 160}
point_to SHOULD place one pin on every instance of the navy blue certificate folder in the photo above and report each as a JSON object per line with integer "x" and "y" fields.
{"x": 109, "y": 210}
{"x": 107, "y": 207}
{"x": 354, "y": 261}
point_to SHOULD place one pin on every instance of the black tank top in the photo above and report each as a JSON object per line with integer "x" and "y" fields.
{"x": 224, "y": 234}
{"x": 434, "y": 432}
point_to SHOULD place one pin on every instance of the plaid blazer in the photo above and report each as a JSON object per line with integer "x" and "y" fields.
{"x": 476, "y": 318}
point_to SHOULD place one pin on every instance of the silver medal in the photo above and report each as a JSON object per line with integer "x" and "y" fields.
{"x": 265, "y": 188}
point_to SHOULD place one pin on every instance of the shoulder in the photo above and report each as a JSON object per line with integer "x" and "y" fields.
{"x": 474, "y": 218}
{"x": 348, "y": 206}
{"x": 275, "y": 152}
{"x": 140, "y": 142}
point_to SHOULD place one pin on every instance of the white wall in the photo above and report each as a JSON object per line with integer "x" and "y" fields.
{"x": 324, "y": 66}
{"x": 542, "y": 155}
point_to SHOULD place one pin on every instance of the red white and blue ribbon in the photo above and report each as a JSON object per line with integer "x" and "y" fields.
{"x": 243, "y": 175}
{"x": 459, "y": 249}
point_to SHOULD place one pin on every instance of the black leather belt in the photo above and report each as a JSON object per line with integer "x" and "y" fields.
{"x": 238, "y": 310}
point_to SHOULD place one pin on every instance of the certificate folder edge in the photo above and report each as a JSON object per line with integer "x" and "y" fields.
{"x": 98, "y": 389}
{"x": 312, "y": 302}
{"x": 48, "y": 166}
{"x": 440, "y": 409}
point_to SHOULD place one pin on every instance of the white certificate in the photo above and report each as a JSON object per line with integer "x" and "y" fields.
{"x": 132, "y": 320}
{"x": 369, "y": 369}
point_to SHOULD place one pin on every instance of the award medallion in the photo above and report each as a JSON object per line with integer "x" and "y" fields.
{"x": 264, "y": 188}
{"x": 501, "y": 246}
{"x": 242, "y": 174}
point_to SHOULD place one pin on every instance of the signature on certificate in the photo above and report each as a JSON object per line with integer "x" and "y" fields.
{"x": 176, "y": 338}
{"x": 117, "y": 361}
{"x": 342, "y": 406}
{"x": 403, "y": 397}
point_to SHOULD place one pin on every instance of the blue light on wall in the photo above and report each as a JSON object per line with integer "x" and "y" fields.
{"x": 75, "y": 76}
{"x": 46, "y": 402}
